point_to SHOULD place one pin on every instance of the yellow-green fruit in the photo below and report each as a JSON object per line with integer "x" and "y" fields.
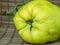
{"x": 38, "y": 22}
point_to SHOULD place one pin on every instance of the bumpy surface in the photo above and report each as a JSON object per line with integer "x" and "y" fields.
{"x": 38, "y": 22}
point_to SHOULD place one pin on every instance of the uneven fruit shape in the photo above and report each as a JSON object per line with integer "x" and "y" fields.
{"x": 38, "y": 22}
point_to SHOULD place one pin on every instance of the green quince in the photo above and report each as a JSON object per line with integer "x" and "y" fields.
{"x": 38, "y": 22}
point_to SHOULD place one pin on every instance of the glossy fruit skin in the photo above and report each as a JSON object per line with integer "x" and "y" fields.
{"x": 46, "y": 22}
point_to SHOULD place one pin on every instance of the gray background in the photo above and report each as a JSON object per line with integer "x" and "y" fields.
{"x": 8, "y": 33}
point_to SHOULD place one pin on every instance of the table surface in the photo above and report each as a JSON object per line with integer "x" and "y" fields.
{"x": 8, "y": 33}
